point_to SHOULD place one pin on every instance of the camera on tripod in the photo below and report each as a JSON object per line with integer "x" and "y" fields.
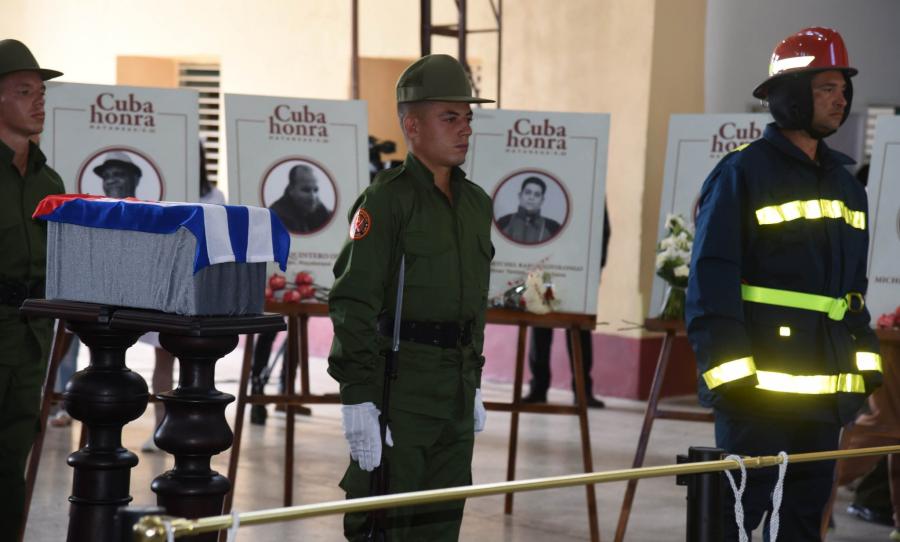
{"x": 376, "y": 149}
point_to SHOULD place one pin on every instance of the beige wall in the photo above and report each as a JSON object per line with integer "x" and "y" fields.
{"x": 636, "y": 59}
{"x": 676, "y": 86}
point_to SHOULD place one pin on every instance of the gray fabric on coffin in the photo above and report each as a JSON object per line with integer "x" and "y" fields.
{"x": 147, "y": 270}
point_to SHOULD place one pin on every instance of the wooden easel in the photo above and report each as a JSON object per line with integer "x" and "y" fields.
{"x": 61, "y": 341}
{"x": 671, "y": 329}
{"x": 298, "y": 315}
{"x": 575, "y": 323}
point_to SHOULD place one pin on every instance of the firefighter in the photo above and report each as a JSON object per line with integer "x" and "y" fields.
{"x": 776, "y": 298}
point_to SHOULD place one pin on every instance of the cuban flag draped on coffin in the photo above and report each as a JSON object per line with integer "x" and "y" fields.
{"x": 192, "y": 259}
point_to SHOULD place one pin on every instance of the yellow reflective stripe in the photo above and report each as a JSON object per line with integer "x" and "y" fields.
{"x": 810, "y": 384}
{"x": 811, "y": 210}
{"x": 833, "y": 307}
{"x": 868, "y": 361}
{"x": 729, "y": 371}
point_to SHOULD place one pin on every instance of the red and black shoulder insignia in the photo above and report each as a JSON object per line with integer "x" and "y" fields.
{"x": 361, "y": 224}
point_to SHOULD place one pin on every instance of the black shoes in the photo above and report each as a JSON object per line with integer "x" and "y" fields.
{"x": 872, "y": 515}
{"x": 258, "y": 414}
{"x": 533, "y": 397}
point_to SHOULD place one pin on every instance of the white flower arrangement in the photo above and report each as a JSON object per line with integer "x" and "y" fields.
{"x": 536, "y": 293}
{"x": 673, "y": 252}
{"x": 673, "y": 264}
{"x": 539, "y": 294}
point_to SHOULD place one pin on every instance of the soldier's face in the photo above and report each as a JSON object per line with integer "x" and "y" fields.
{"x": 531, "y": 197}
{"x": 440, "y": 133}
{"x": 829, "y": 101}
{"x": 119, "y": 182}
{"x": 22, "y": 104}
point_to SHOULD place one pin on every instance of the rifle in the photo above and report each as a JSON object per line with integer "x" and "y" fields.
{"x": 378, "y": 482}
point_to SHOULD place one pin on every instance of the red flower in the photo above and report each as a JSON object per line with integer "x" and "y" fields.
{"x": 277, "y": 282}
{"x": 548, "y": 294}
{"x": 307, "y": 291}
{"x": 303, "y": 278}
{"x": 292, "y": 296}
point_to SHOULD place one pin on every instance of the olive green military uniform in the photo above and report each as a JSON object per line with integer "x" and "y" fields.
{"x": 24, "y": 342}
{"x": 448, "y": 253}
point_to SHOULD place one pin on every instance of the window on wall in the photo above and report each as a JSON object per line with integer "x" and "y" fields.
{"x": 202, "y": 74}
{"x": 205, "y": 78}
{"x": 872, "y": 114}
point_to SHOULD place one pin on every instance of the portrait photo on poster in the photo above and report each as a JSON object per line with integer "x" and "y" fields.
{"x": 121, "y": 172}
{"x": 301, "y": 192}
{"x": 531, "y": 207}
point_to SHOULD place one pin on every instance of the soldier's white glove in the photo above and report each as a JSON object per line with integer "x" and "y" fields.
{"x": 363, "y": 434}
{"x": 480, "y": 412}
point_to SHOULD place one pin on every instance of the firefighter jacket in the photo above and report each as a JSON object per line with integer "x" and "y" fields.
{"x": 775, "y": 303}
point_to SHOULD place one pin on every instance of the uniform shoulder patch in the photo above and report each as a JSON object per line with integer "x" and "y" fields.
{"x": 361, "y": 224}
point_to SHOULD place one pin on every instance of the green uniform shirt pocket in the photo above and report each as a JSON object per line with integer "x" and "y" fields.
{"x": 429, "y": 258}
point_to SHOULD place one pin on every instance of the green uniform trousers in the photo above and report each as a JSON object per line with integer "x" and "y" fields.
{"x": 21, "y": 378}
{"x": 428, "y": 453}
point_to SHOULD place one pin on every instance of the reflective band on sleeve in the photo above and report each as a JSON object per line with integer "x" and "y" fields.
{"x": 729, "y": 371}
{"x": 868, "y": 361}
{"x": 811, "y": 210}
{"x": 810, "y": 384}
{"x": 784, "y": 331}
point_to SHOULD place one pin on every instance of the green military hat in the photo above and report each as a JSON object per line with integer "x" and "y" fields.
{"x": 436, "y": 78}
{"x": 15, "y": 57}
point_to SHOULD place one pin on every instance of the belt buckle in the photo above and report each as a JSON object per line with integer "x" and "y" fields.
{"x": 858, "y": 298}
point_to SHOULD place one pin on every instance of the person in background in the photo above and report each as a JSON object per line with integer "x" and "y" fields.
{"x": 542, "y": 339}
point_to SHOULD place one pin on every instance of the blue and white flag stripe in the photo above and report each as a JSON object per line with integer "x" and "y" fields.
{"x": 224, "y": 233}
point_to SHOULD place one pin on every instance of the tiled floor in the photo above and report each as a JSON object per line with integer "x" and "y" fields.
{"x": 549, "y": 445}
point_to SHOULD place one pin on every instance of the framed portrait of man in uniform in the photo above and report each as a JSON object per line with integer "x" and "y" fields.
{"x": 531, "y": 207}
{"x": 121, "y": 172}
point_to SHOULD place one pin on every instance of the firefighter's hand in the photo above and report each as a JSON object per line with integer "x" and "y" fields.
{"x": 363, "y": 434}
{"x": 480, "y": 412}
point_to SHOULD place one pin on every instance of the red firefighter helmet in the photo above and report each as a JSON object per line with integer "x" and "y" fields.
{"x": 810, "y": 50}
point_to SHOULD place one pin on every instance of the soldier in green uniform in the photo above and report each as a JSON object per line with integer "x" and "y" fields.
{"x": 24, "y": 342}
{"x": 427, "y": 211}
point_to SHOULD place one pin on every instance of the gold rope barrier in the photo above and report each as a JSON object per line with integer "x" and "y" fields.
{"x": 152, "y": 528}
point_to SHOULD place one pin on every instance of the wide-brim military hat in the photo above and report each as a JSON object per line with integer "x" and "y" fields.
{"x": 15, "y": 57}
{"x": 118, "y": 159}
{"x": 436, "y": 78}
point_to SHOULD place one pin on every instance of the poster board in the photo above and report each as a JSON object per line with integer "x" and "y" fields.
{"x": 696, "y": 143}
{"x": 322, "y": 145}
{"x": 123, "y": 141}
{"x": 556, "y": 221}
{"x": 884, "y": 218}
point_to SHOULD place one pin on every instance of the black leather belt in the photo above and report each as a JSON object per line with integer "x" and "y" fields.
{"x": 441, "y": 334}
{"x": 14, "y": 292}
